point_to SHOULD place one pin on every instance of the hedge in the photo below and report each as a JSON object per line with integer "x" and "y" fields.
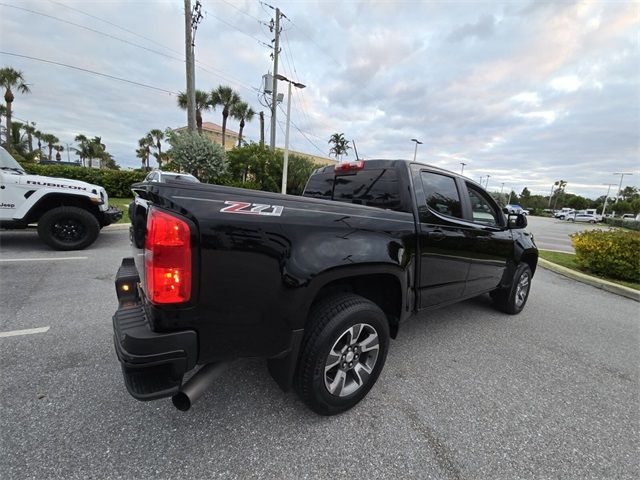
{"x": 117, "y": 183}
{"x": 618, "y": 222}
{"x": 612, "y": 253}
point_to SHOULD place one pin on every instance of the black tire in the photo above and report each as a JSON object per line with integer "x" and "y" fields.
{"x": 139, "y": 231}
{"x": 513, "y": 298}
{"x": 333, "y": 323}
{"x": 68, "y": 228}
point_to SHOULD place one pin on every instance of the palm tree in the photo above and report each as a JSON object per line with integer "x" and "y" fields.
{"x": 3, "y": 112}
{"x": 58, "y": 149}
{"x": 10, "y": 78}
{"x": 226, "y": 98}
{"x": 340, "y": 146}
{"x": 144, "y": 151}
{"x": 243, "y": 112}
{"x": 156, "y": 137}
{"x": 202, "y": 105}
{"x": 82, "y": 150}
{"x": 98, "y": 150}
{"x": 30, "y": 129}
{"x": 50, "y": 140}
{"x": 38, "y": 134}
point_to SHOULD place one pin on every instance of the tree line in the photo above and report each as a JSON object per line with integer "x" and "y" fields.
{"x": 19, "y": 137}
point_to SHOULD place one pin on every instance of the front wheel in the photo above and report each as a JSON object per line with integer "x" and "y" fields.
{"x": 513, "y": 298}
{"x": 343, "y": 353}
{"x": 68, "y": 228}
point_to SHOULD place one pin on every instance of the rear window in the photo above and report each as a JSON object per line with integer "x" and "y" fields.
{"x": 374, "y": 188}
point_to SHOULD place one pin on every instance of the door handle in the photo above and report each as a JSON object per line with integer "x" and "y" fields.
{"x": 436, "y": 235}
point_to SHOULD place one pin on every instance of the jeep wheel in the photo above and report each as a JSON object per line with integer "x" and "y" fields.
{"x": 68, "y": 228}
{"x": 342, "y": 354}
{"x": 513, "y": 298}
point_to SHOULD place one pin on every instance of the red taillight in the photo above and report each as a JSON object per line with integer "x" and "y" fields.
{"x": 167, "y": 258}
{"x": 349, "y": 167}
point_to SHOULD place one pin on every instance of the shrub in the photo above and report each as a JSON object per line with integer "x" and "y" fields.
{"x": 198, "y": 155}
{"x": 117, "y": 183}
{"x": 618, "y": 222}
{"x": 611, "y": 253}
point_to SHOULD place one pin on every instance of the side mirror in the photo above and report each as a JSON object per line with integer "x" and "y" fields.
{"x": 516, "y": 221}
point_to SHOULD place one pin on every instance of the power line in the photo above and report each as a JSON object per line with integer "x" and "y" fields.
{"x": 108, "y": 35}
{"x": 241, "y": 11}
{"x": 91, "y": 71}
{"x": 302, "y": 133}
{"x": 316, "y": 43}
{"x": 199, "y": 64}
{"x": 116, "y": 25}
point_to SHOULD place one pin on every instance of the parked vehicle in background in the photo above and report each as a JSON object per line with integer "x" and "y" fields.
{"x": 315, "y": 284}
{"x": 564, "y": 213}
{"x": 629, "y": 217}
{"x": 69, "y": 213}
{"x": 138, "y": 208}
{"x": 162, "y": 176}
{"x": 583, "y": 217}
{"x": 515, "y": 209}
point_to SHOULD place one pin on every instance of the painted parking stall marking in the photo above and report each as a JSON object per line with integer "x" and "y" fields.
{"x": 44, "y": 259}
{"x": 28, "y": 331}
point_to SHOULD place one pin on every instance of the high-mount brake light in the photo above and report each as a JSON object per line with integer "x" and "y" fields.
{"x": 167, "y": 258}
{"x": 349, "y": 167}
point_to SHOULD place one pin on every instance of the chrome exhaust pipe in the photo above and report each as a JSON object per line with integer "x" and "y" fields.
{"x": 197, "y": 385}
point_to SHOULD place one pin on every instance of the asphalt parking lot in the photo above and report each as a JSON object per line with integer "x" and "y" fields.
{"x": 552, "y": 234}
{"x": 467, "y": 392}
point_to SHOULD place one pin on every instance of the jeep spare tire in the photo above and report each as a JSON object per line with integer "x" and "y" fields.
{"x": 68, "y": 228}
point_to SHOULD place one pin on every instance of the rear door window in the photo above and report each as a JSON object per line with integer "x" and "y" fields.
{"x": 374, "y": 188}
{"x": 441, "y": 194}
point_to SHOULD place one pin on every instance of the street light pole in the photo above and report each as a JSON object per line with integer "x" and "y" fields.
{"x": 622, "y": 174}
{"x": 486, "y": 185}
{"x": 501, "y": 188}
{"x": 285, "y": 164}
{"x": 415, "y": 152}
{"x": 462, "y": 168}
{"x": 604, "y": 207}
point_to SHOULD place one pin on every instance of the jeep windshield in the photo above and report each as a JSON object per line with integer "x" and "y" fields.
{"x": 7, "y": 162}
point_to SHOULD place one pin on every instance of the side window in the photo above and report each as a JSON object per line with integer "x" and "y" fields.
{"x": 152, "y": 177}
{"x": 483, "y": 211}
{"x": 375, "y": 188}
{"x": 320, "y": 185}
{"x": 441, "y": 194}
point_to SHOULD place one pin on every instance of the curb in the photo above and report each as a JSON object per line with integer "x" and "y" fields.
{"x": 589, "y": 280}
{"x": 117, "y": 226}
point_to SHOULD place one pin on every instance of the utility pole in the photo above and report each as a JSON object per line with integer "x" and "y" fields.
{"x": 486, "y": 185}
{"x": 261, "y": 129}
{"x": 462, "y": 169}
{"x": 501, "y": 188}
{"x": 274, "y": 90}
{"x": 604, "y": 207}
{"x": 191, "y": 21}
{"x": 622, "y": 174}
{"x": 68, "y": 155}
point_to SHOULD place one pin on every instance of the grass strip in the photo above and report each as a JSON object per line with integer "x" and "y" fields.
{"x": 568, "y": 260}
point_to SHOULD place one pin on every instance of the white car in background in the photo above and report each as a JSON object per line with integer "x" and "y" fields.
{"x": 583, "y": 217}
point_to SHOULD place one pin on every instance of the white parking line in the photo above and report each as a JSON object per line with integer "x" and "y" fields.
{"x": 46, "y": 259}
{"x": 29, "y": 331}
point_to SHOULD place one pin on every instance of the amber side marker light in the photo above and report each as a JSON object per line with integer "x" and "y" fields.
{"x": 167, "y": 258}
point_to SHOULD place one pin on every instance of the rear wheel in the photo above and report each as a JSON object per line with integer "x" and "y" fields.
{"x": 68, "y": 228}
{"x": 343, "y": 353}
{"x": 513, "y": 298}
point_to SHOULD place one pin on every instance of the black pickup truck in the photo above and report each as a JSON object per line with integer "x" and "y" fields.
{"x": 316, "y": 285}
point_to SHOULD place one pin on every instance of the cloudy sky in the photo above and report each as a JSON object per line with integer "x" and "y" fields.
{"x": 526, "y": 92}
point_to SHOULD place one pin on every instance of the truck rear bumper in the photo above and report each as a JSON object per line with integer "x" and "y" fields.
{"x": 153, "y": 363}
{"x": 110, "y": 215}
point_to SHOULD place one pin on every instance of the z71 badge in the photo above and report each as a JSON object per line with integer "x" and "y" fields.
{"x": 252, "y": 209}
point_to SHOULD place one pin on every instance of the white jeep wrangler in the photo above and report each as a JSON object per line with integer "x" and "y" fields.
{"x": 69, "y": 213}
